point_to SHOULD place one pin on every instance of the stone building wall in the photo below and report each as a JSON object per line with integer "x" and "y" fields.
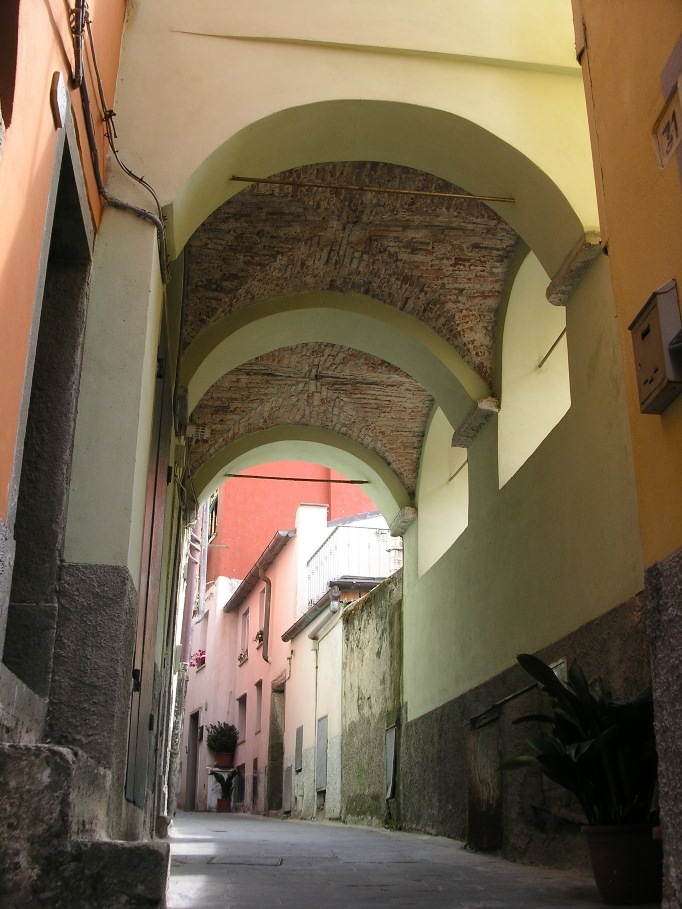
{"x": 372, "y": 654}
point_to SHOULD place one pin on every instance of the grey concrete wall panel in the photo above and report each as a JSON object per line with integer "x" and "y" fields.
{"x": 539, "y": 824}
{"x": 90, "y": 694}
{"x": 321, "y": 754}
{"x": 332, "y": 802}
{"x": 298, "y": 756}
{"x": 664, "y": 620}
{"x": 287, "y": 800}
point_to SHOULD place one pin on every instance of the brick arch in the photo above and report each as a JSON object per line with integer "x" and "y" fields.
{"x": 350, "y": 320}
{"x": 355, "y": 395}
{"x": 314, "y": 445}
{"x": 440, "y": 260}
{"x": 427, "y": 139}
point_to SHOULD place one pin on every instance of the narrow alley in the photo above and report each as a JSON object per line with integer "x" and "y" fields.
{"x": 234, "y": 861}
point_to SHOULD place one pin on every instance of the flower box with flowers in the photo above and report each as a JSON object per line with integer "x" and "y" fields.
{"x": 198, "y": 659}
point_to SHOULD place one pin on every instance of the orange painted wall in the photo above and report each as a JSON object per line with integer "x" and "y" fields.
{"x": 250, "y": 512}
{"x": 44, "y": 46}
{"x": 628, "y": 45}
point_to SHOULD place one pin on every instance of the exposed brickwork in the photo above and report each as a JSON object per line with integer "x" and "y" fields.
{"x": 440, "y": 260}
{"x": 321, "y": 385}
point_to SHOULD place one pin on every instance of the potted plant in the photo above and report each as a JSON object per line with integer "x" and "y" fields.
{"x": 259, "y": 637}
{"x": 225, "y": 780}
{"x": 603, "y": 751}
{"x": 221, "y": 738}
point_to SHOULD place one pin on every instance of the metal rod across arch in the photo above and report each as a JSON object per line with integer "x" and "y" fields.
{"x": 372, "y": 189}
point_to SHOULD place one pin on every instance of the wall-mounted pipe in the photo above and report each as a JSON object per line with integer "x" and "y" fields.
{"x": 191, "y": 583}
{"x": 82, "y": 83}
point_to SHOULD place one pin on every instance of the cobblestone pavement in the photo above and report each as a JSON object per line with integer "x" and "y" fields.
{"x": 238, "y": 861}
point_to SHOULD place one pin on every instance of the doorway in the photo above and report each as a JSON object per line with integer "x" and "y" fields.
{"x": 192, "y": 762}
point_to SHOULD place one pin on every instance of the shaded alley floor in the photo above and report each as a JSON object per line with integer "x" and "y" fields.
{"x": 238, "y": 861}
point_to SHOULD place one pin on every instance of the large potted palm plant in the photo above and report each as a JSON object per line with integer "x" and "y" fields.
{"x": 603, "y": 751}
{"x": 225, "y": 781}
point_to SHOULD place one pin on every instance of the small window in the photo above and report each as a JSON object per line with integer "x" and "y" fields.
{"x": 261, "y": 610}
{"x": 241, "y": 717}
{"x": 244, "y": 648}
{"x": 259, "y": 706}
{"x": 213, "y": 517}
{"x": 9, "y": 35}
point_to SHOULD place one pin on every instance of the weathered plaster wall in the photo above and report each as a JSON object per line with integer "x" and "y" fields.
{"x": 371, "y": 698}
{"x": 554, "y": 548}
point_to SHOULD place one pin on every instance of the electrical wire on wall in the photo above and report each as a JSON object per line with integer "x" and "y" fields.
{"x": 81, "y": 23}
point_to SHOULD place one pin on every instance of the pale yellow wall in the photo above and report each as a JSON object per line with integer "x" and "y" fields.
{"x": 112, "y": 444}
{"x": 534, "y": 397}
{"x": 497, "y": 110}
{"x": 329, "y": 674}
{"x": 555, "y": 547}
{"x": 442, "y": 492}
{"x": 499, "y": 82}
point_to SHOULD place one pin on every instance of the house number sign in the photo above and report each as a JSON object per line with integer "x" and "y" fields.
{"x": 668, "y": 128}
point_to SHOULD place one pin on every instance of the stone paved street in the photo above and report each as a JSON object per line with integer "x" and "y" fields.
{"x": 237, "y": 861}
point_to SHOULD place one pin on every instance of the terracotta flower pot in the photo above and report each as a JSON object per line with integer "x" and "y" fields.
{"x": 627, "y": 863}
{"x": 224, "y": 760}
{"x": 223, "y": 805}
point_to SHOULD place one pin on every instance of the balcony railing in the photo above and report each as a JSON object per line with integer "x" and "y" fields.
{"x": 360, "y": 552}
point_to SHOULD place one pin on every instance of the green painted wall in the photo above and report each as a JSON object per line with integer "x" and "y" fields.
{"x": 556, "y": 547}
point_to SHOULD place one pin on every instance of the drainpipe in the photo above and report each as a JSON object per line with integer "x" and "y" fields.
{"x": 266, "y": 617}
{"x": 190, "y": 589}
{"x": 204, "y": 559}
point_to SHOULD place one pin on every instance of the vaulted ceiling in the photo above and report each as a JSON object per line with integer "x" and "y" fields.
{"x": 442, "y": 260}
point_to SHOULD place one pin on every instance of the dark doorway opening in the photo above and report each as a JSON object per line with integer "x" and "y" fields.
{"x": 48, "y": 445}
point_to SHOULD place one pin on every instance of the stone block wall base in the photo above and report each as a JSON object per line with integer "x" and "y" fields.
{"x": 48, "y": 795}
{"x": 53, "y": 820}
{"x": 98, "y": 874}
{"x": 664, "y": 621}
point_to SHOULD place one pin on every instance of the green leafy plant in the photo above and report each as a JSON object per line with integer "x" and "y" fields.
{"x": 601, "y": 750}
{"x": 222, "y": 738}
{"x": 225, "y": 780}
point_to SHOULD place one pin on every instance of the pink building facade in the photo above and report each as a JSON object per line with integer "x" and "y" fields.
{"x": 258, "y": 590}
